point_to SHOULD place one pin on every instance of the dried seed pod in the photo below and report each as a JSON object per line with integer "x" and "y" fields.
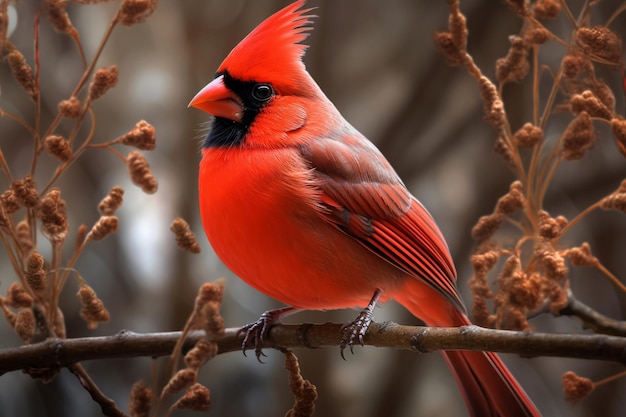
{"x": 182, "y": 379}
{"x": 576, "y": 387}
{"x": 58, "y": 147}
{"x": 25, "y": 324}
{"x": 56, "y": 14}
{"x": 70, "y": 108}
{"x": 140, "y": 400}
{"x": 135, "y": 11}
{"x": 93, "y": 310}
{"x": 185, "y": 238}
{"x": 22, "y": 72}
{"x": 140, "y": 172}
{"x": 103, "y": 227}
{"x": 36, "y": 276}
{"x": 197, "y": 398}
{"x": 109, "y": 205}
{"x": 601, "y": 42}
{"x": 17, "y": 296}
{"x": 546, "y": 9}
{"x": 528, "y": 135}
{"x": 52, "y": 212}
{"x": 515, "y": 66}
{"x": 142, "y": 136}
{"x": 588, "y": 102}
{"x": 26, "y": 191}
{"x": 578, "y": 138}
{"x": 103, "y": 80}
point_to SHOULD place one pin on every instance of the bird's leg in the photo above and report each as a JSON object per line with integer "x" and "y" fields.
{"x": 257, "y": 332}
{"x": 353, "y": 333}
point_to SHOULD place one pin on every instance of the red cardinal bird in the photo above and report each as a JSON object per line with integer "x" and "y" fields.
{"x": 300, "y": 205}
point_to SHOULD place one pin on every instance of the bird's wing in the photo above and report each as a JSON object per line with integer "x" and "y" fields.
{"x": 363, "y": 197}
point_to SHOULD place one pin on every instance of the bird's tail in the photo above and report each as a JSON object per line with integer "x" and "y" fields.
{"x": 488, "y": 387}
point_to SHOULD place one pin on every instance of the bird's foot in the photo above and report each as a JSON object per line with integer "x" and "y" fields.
{"x": 354, "y": 332}
{"x": 257, "y": 333}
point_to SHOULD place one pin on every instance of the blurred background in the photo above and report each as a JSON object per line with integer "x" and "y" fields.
{"x": 378, "y": 64}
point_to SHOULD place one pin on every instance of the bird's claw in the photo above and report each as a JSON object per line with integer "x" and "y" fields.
{"x": 255, "y": 334}
{"x": 354, "y": 332}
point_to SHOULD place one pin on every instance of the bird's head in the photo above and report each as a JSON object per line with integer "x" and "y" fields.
{"x": 263, "y": 78}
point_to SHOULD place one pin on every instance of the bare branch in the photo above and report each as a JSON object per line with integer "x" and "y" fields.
{"x": 56, "y": 353}
{"x": 591, "y": 319}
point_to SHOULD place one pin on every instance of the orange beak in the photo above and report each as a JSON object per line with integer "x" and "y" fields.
{"x": 218, "y": 100}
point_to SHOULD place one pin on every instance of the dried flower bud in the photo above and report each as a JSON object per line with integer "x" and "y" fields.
{"x": 103, "y": 79}
{"x": 513, "y": 67}
{"x": 601, "y": 42}
{"x": 109, "y": 205}
{"x": 504, "y": 151}
{"x": 183, "y": 379}
{"x": 26, "y": 191}
{"x": 493, "y": 105}
{"x": 457, "y": 24}
{"x": 528, "y": 135}
{"x": 135, "y": 11}
{"x": 140, "y": 172}
{"x": 304, "y": 392}
{"x": 58, "y": 147}
{"x": 202, "y": 351}
{"x": 185, "y": 238}
{"x": 70, "y": 108}
{"x": 615, "y": 201}
{"x": 604, "y": 93}
{"x": 25, "y": 324}
{"x": 552, "y": 262}
{"x": 578, "y": 138}
{"x": 581, "y": 256}
{"x": 17, "y": 296}
{"x": 549, "y": 228}
{"x": 525, "y": 290}
{"x": 22, "y": 72}
{"x": 576, "y": 387}
{"x": 36, "y": 276}
{"x": 24, "y": 237}
{"x": 512, "y": 201}
{"x": 103, "y": 227}
{"x": 140, "y": 400}
{"x": 487, "y": 226}
{"x": 197, "y": 398}
{"x": 590, "y": 103}
{"x": 537, "y": 36}
{"x": 449, "y": 49}
{"x": 10, "y": 202}
{"x": 546, "y": 9}
{"x": 210, "y": 292}
{"x": 52, "y": 212}
{"x": 618, "y": 125}
{"x": 55, "y": 11}
{"x": 572, "y": 65}
{"x": 143, "y": 136}
{"x": 93, "y": 310}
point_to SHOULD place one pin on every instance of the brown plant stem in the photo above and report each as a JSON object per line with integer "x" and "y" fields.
{"x": 64, "y": 352}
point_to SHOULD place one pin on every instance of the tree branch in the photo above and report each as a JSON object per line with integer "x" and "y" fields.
{"x": 57, "y": 353}
{"x": 591, "y": 319}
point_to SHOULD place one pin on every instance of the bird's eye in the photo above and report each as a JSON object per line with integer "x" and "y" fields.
{"x": 262, "y": 92}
